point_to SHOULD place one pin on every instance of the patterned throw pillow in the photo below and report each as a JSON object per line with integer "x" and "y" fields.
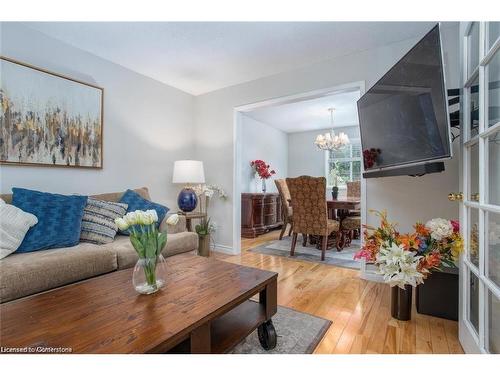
{"x": 98, "y": 223}
{"x": 14, "y": 224}
{"x": 59, "y": 219}
{"x": 136, "y": 202}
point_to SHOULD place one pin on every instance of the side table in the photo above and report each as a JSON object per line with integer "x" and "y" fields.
{"x": 190, "y": 216}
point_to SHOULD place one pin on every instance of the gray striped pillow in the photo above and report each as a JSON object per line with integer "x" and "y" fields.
{"x": 98, "y": 223}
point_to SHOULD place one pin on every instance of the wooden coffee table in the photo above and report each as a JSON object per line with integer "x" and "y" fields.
{"x": 203, "y": 308}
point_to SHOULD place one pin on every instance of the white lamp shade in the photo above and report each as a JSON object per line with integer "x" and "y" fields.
{"x": 188, "y": 172}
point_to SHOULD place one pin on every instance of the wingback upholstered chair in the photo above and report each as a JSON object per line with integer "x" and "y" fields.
{"x": 286, "y": 207}
{"x": 354, "y": 191}
{"x": 352, "y": 223}
{"x": 308, "y": 198}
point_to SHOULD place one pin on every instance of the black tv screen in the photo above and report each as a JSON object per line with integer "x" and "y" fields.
{"x": 404, "y": 117}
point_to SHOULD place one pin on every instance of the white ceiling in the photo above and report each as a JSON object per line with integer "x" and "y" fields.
{"x": 310, "y": 114}
{"x": 199, "y": 57}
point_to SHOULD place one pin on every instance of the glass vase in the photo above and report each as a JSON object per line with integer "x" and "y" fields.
{"x": 149, "y": 275}
{"x": 264, "y": 185}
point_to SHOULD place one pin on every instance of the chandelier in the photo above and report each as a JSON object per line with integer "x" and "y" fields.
{"x": 331, "y": 141}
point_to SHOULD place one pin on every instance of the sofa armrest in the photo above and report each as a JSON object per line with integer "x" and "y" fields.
{"x": 177, "y": 228}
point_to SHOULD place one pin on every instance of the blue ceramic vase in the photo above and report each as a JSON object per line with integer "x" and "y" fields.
{"x": 187, "y": 200}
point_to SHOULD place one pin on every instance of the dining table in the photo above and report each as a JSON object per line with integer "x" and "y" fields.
{"x": 338, "y": 209}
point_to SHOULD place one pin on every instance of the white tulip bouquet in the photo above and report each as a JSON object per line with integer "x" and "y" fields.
{"x": 147, "y": 241}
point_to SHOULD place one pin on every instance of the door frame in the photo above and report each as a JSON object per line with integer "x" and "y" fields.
{"x": 237, "y": 131}
{"x": 471, "y": 341}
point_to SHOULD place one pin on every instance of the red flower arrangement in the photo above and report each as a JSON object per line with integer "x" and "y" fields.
{"x": 262, "y": 169}
{"x": 370, "y": 156}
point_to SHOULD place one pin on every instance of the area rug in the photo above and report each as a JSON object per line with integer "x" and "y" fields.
{"x": 298, "y": 333}
{"x": 309, "y": 253}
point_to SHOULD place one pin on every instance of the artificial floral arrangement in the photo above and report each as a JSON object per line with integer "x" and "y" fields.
{"x": 206, "y": 229}
{"x": 262, "y": 169}
{"x": 208, "y": 191}
{"x": 335, "y": 178}
{"x": 407, "y": 259}
{"x": 370, "y": 156}
{"x": 148, "y": 242}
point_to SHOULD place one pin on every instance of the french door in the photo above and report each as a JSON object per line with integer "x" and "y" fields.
{"x": 479, "y": 317}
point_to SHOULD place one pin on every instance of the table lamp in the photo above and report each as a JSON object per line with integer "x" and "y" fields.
{"x": 188, "y": 172}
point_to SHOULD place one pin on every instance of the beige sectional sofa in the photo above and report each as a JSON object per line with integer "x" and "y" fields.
{"x": 29, "y": 273}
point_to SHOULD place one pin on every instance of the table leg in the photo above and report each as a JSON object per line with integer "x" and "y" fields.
{"x": 200, "y": 340}
{"x": 266, "y": 331}
{"x": 269, "y": 298}
{"x": 188, "y": 225}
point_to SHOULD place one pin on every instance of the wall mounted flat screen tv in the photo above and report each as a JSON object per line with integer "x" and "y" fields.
{"x": 404, "y": 117}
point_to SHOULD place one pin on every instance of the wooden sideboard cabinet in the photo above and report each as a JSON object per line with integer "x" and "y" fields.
{"x": 260, "y": 212}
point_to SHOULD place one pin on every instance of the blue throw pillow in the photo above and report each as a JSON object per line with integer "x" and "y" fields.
{"x": 59, "y": 219}
{"x": 136, "y": 202}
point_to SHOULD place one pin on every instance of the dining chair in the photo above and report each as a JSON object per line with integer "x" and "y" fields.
{"x": 354, "y": 191}
{"x": 286, "y": 208}
{"x": 353, "y": 226}
{"x": 350, "y": 227}
{"x": 310, "y": 210}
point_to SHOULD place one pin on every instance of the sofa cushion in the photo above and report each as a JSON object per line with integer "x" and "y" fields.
{"x": 111, "y": 197}
{"x": 115, "y": 197}
{"x": 176, "y": 244}
{"x": 136, "y": 202}
{"x": 28, "y": 273}
{"x": 98, "y": 222}
{"x": 59, "y": 219}
{"x": 14, "y": 224}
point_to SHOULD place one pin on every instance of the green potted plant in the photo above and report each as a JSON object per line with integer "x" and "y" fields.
{"x": 334, "y": 178}
{"x": 204, "y": 229}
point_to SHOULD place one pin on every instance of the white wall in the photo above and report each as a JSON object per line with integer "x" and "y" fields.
{"x": 407, "y": 199}
{"x": 147, "y": 124}
{"x": 261, "y": 141}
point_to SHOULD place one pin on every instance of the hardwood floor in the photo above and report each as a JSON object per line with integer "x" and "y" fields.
{"x": 359, "y": 309}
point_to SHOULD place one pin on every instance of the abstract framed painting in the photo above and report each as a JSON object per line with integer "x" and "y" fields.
{"x": 47, "y": 119}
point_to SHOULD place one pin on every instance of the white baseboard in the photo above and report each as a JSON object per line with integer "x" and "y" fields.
{"x": 224, "y": 249}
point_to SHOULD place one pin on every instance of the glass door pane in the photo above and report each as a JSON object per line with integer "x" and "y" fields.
{"x": 473, "y": 48}
{"x": 493, "y": 311}
{"x": 493, "y": 32}
{"x": 493, "y": 81}
{"x": 474, "y": 173}
{"x": 493, "y": 177}
{"x": 473, "y": 248}
{"x": 493, "y": 246}
{"x": 474, "y": 108}
{"x": 473, "y": 314}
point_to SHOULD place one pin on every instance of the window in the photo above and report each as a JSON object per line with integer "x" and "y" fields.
{"x": 344, "y": 164}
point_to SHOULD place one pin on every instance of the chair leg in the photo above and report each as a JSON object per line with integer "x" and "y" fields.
{"x": 294, "y": 242}
{"x": 283, "y": 229}
{"x": 324, "y": 241}
{"x": 304, "y": 239}
{"x": 339, "y": 241}
{"x": 291, "y": 228}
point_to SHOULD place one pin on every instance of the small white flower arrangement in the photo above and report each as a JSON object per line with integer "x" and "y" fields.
{"x": 398, "y": 266}
{"x": 439, "y": 228}
{"x": 148, "y": 242}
